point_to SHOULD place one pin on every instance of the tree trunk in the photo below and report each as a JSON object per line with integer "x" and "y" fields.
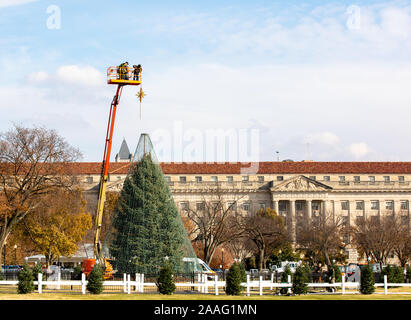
{"x": 261, "y": 260}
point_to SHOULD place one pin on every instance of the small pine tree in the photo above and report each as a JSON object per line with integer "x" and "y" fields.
{"x": 165, "y": 281}
{"x": 284, "y": 278}
{"x": 95, "y": 280}
{"x": 300, "y": 281}
{"x": 408, "y": 276}
{"x": 394, "y": 274}
{"x": 233, "y": 280}
{"x": 337, "y": 274}
{"x": 76, "y": 275}
{"x": 26, "y": 280}
{"x": 243, "y": 273}
{"x": 367, "y": 280}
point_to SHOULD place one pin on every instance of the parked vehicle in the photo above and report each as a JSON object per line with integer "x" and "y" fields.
{"x": 292, "y": 264}
{"x": 205, "y": 268}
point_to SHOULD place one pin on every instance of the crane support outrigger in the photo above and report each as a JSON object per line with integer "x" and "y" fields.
{"x": 122, "y": 76}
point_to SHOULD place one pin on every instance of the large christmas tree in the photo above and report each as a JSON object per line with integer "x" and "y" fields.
{"x": 148, "y": 227}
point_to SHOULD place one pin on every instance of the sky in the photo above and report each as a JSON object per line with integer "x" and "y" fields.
{"x": 224, "y": 80}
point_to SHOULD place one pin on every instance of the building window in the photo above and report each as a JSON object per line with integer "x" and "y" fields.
{"x": 357, "y": 179}
{"x": 345, "y": 221}
{"x": 371, "y": 179}
{"x": 260, "y": 178}
{"x": 280, "y": 178}
{"x": 230, "y": 179}
{"x": 342, "y": 178}
{"x": 389, "y": 205}
{"x": 326, "y": 178}
{"x": 359, "y": 205}
{"x": 168, "y": 179}
{"x": 244, "y": 179}
{"x": 184, "y": 206}
{"x": 214, "y": 179}
{"x": 199, "y": 179}
{"x": 183, "y": 179}
{"x": 282, "y": 206}
{"x": 315, "y": 206}
{"x": 404, "y": 220}
{"x": 89, "y": 179}
{"x": 262, "y": 205}
{"x": 386, "y": 179}
{"x": 232, "y": 206}
{"x": 298, "y": 206}
{"x": 404, "y": 205}
{"x": 344, "y": 205}
{"x": 375, "y": 205}
{"x": 375, "y": 219}
{"x": 401, "y": 179}
{"x": 246, "y": 206}
{"x": 312, "y": 177}
{"x": 346, "y": 238}
{"x": 359, "y": 220}
{"x": 118, "y": 178}
{"x": 200, "y": 206}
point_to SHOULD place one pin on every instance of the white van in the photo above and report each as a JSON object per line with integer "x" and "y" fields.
{"x": 205, "y": 268}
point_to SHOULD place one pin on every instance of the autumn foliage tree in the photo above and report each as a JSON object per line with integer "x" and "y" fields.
{"x": 33, "y": 162}
{"x": 58, "y": 224}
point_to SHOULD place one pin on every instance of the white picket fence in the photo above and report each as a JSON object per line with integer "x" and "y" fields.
{"x": 203, "y": 284}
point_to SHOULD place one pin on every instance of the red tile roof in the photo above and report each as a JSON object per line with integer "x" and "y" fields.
{"x": 263, "y": 168}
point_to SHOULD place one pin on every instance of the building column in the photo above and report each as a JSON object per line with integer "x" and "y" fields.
{"x": 309, "y": 210}
{"x": 396, "y": 207}
{"x": 275, "y": 206}
{"x": 292, "y": 223}
{"x": 324, "y": 208}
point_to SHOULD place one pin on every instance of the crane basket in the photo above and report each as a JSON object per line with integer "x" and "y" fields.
{"x": 123, "y": 75}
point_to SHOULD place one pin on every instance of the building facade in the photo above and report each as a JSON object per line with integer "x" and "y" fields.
{"x": 296, "y": 190}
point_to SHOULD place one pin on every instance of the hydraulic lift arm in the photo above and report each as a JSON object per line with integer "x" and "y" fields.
{"x": 104, "y": 176}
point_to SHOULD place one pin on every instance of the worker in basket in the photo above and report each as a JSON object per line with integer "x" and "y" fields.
{"x": 136, "y": 72}
{"x": 123, "y": 71}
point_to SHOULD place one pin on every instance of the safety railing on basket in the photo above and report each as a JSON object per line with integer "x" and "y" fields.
{"x": 123, "y": 73}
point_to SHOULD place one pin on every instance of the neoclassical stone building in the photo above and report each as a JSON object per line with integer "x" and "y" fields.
{"x": 296, "y": 190}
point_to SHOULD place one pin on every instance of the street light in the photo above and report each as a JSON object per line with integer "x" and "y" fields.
{"x": 222, "y": 262}
{"x": 15, "y": 254}
{"x": 4, "y": 254}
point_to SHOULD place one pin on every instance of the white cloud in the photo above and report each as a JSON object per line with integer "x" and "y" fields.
{"x": 358, "y": 150}
{"x": 326, "y": 138}
{"x": 10, "y": 3}
{"x": 70, "y": 74}
{"x": 37, "y": 77}
{"x": 73, "y": 74}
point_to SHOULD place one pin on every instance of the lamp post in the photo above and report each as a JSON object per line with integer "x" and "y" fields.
{"x": 15, "y": 254}
{"x": 4, "y": 254}
{"x": 222, "y": 262}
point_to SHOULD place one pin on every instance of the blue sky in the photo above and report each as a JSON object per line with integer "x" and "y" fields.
{"x": 310, "y": 82}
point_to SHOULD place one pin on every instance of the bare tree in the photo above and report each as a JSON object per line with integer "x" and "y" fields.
{"x": 212, "y": 223}
{"x": 402, "y": 244}
{"x": 266, "y": 230}
{"x": 376, "y": 237}
{"x": 321, "y": 239}
{"x": 33, "y": 161}
{"x": 241, "y": 248}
